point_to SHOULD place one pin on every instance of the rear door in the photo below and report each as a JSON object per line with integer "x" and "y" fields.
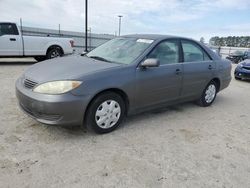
{"x": 157, "y": 85}
{"x": 10, "y": 40}
{"x": 198, "y": 69}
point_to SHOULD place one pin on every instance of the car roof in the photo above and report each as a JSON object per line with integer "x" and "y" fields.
{"x": 157, "y": 37}
{"x": 7, "y": 23}
{"x": 154, "y": 36}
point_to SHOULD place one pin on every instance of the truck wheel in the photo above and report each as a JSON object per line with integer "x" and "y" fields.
{"x": 54, "y": 52}
{"x": 105, "y": 113}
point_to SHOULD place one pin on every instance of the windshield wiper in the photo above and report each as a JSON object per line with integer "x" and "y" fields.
{"x": 99, "y": 58}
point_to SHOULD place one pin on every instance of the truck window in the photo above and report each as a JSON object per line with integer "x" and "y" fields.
{"x": 8, "y": 29}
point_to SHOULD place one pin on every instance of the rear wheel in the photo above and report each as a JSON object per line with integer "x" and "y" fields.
{"x": 105, "y": 113}
{"x": 208, "y": 95}
{"x": 54, "y": 52}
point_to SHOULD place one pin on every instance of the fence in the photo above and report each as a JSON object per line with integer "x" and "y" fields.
{"x": 94, "y": 40}
{"x": 225, "y": 51}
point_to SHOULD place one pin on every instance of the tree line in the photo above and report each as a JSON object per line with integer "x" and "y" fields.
{"x": 231, "y": 41}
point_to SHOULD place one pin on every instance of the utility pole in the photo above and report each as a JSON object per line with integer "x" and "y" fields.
{"x": 120, "y": 20}
{"x": 59, "y": 27}
{"x": 86, "y": 25}
{"x": 21, "y": 28}
{"x": 90, "y": 37}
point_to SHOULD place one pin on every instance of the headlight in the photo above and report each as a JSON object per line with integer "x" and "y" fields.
{"x": 57, "y": 87}
{"x": 240, "y": 65}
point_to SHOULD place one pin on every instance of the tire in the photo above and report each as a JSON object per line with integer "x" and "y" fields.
{"x": 105, "y": 113}
{"x": 39, "y": 58}
{"x": 54, "y": 53}
{"x": 209, "y": 94}
{"x": 236, "y": 78}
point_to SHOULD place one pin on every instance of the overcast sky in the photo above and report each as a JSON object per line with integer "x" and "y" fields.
{"x": 190, "y": 18}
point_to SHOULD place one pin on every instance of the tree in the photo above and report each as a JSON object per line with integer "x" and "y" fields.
{"x": 202, "y": 40}
{"x": 232, "y": 41}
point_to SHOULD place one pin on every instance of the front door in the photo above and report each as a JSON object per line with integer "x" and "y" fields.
{"x": 156, "y": 85}
{"x": 10, "y": 40}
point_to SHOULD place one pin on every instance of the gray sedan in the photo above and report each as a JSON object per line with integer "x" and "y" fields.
{"x": 124, "y": 76}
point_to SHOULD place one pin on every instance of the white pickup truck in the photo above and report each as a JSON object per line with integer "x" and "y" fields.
{"x": 14, "y": 44}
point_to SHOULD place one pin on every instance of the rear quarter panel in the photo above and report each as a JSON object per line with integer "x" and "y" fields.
{"x": 224, "y": 68}
{"x": 34, "y": 45}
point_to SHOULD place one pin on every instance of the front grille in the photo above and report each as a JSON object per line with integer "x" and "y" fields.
{"x": 29, "y": 83}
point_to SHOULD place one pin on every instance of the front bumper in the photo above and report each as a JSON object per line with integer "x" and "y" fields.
{"x": 64, "y": 109}
{"x": 242, "y": 73}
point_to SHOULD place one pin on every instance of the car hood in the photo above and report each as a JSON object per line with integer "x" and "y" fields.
{"x": 246, "y": 63}
{"x": 65, "y": 68}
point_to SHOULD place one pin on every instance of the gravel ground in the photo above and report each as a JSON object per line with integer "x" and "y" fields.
{"x": 180, "y": 146}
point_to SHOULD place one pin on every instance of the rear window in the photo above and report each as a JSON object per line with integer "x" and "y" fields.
{"x": 8, "y": 29}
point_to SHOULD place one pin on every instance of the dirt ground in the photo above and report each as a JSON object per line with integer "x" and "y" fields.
{"x": 180, "y": 146}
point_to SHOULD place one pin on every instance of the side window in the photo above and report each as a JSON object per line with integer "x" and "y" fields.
{"x": 8, "y": 29}
{"x": 193, "y": 52}
{"x": 167, "y": 52}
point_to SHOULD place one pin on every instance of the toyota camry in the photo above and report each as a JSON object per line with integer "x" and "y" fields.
{"x": 124, "y": 76}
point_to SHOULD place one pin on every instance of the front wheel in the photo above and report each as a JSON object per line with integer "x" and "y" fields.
{"x": 208, "y": 95}
{"x": 105, "y": 113}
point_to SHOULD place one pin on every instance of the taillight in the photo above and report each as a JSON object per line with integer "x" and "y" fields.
{"x": 72, "y": 43}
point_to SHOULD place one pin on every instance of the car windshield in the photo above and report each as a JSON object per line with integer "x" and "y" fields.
{"x": 120, "y": 50}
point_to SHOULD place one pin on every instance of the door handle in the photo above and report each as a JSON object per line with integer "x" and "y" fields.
{"x": 210, "y": 67}
{"x": 177, "y": 71}
{"x": 12, "y": 39}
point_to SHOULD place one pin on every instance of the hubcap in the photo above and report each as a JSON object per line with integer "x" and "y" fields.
{"x": 108, "y": 114}
{"x": 210, "y": 93}
{"x": 54, "y": 54}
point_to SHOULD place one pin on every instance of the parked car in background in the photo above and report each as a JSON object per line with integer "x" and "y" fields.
{"x": 14, "y": 44}
{"x": 239, "y": 56}
{"x": 242, "y": 71}
{"x": 124, "y": 76}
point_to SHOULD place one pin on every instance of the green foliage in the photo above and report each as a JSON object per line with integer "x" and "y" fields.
{"x": 202, "y": 40}
{"x": 231, "y": 41}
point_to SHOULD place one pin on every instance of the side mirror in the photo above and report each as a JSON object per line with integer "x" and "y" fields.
{"x": 150, "y": 63}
